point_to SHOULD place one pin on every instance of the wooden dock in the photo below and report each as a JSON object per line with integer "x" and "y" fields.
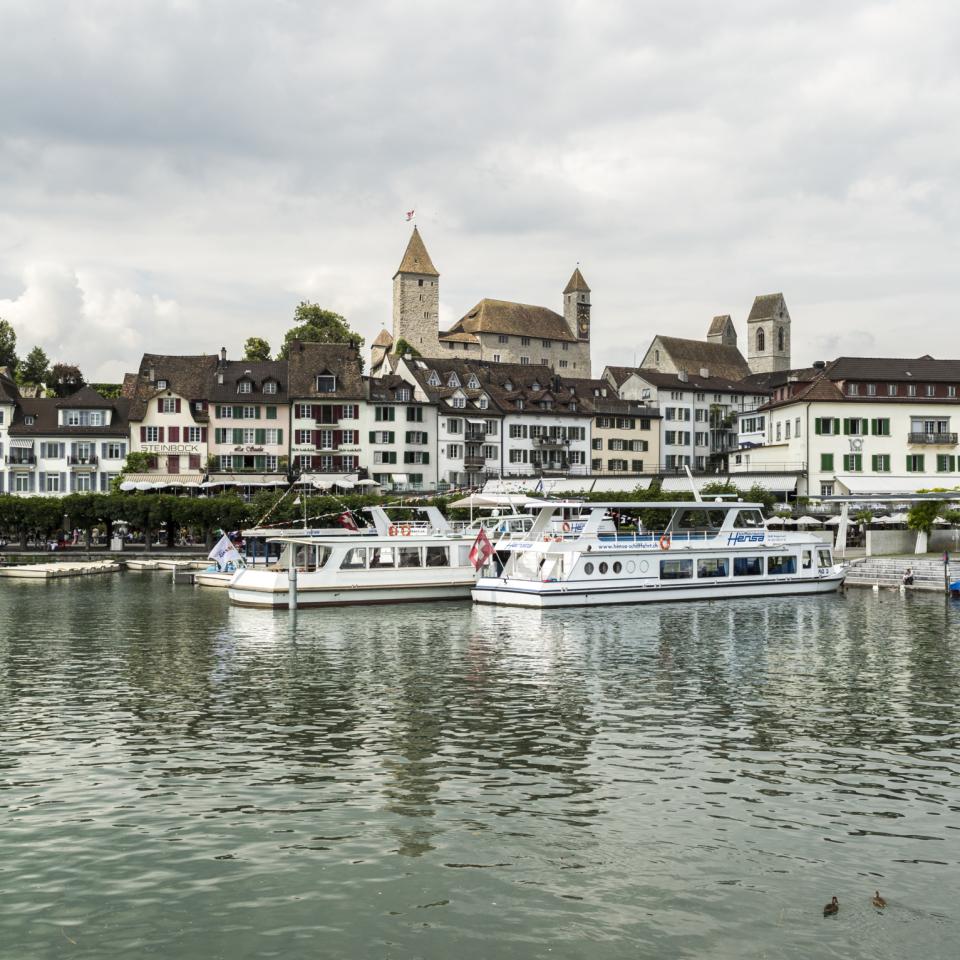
{"x": 52, "y": 571}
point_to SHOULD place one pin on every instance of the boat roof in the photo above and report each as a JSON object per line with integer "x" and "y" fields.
{"x": 655, "y": 504}
{"x": 366, "y": 540}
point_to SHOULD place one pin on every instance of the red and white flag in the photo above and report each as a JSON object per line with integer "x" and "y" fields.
{"x": 481, "y": 551}
{"x": 410, "y": 214}
{"x": 345, "y": 520}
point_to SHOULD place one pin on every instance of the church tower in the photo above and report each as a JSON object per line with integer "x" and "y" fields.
{"x": 768, "y": 334}
{"x": 416, "y": 299}
{"x": 576, "y": 306}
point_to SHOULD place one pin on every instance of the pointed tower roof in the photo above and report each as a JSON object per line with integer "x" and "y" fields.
{"x": 416, "y": 259}
{"x": 577, "y": 283}
{"x": 768, "y": 306}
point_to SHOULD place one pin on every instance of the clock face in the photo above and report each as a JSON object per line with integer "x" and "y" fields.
{"x": 584, "y": 325}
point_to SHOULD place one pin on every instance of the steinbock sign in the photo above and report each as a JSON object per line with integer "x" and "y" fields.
{"x": 170, "y": 447}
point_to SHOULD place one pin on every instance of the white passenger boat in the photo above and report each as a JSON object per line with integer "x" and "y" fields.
{"x": 401, "y": 562}
{"x": 707, "y": 551}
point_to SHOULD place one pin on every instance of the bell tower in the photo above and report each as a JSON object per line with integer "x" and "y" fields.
{"x": 768, "y": 334}
{"x": 416, "y": 299}
{"x": 576, "y": 306}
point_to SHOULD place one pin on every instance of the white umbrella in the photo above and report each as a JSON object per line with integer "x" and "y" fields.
{"x": 344, "y": 484}
{"x": 127, "y": 486}
{"x": 322, "y": 484}
{"x": 809, "y": 522}
{"x": 143, "y": 485}
{"x": 833, "y": 522}
{"x": 898, "y": 518}
{"x": 367, "y": 483}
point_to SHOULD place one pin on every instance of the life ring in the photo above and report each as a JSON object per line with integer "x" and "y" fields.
{"x": 392, "y": 531}
{"x": 664, "y": 541}
{"x": 566, "y": 527}
{"x": 405, "y": 530}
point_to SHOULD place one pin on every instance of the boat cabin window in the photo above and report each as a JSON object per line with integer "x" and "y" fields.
{"x": 588, "y": 569}
{"x": 748, "y": 566}
{"x": 781, "y": 564}
{"x": 409, "y": 556}
{"x": 382, "y": 557}
{"x": 676, "y": 569}
{"x": 698, "y": 520}
{"x": 708, "y": 567}
{"x": 356, "y": 559}
{"x": 463, "y": 554}
{"x": 806, "y": 560}
{"x": 823, "y": 558}
{"x": 748, "y": 518}
{"x": 437, "y": 557}
{"x": 306, "y": 556}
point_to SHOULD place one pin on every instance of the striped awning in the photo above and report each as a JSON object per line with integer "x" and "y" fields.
{"x": 245, "y": 480}
{"x": 159, "y": 480}
{"x": 21, "y": 444}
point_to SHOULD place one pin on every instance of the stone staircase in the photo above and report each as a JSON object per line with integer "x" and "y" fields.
{"x": 888, "y": 572}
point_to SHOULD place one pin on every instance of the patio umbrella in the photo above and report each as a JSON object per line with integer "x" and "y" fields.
{"x": 367, "y": 483}
{"x": 809, "y": 522}
{"x": 833, "y": 522}
{"x": 143, "y": 485}
{"x": 774, "y": 522}
{"x": 127, "y": 486}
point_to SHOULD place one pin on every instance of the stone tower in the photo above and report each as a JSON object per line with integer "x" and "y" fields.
{"x": 576, "y": 306}
{"x": 722, "y": 331}
{"x": 416, "y": 299}
{"x": 768, "y": 334}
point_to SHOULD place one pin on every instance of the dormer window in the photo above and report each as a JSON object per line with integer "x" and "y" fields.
{"x": 573, "y": 406}
{"x": 244, "y": 386}
{"x": 403, "y": 394}
{"x": 535, "y": 385}
{"x": 326, "y": 383}
{"x": 546, "y": 404}
{"x": 519, "y": 403}
{"x": 161, "y": 384}
{"x": 483, "y": 403}
{"x": 29, "y": 420}
{"x": 473, "y": 383}
{"x": 508, "y": 385}
{"x": 433, "y": 380}
{"x": 458, "y": 402}
{"x": 453, "y": 380}
{"x": 270, "y": 386}
{"x": 852, "y": 389}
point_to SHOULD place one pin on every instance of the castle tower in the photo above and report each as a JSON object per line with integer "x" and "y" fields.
{"x": 416, "y": 299}
{"x": 576, "y": 306}
{"x": 768, "y": 334}
{"x": 722, "y": 331}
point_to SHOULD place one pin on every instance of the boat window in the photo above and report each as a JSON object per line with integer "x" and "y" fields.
{"x": 603, "y": 568}
{"x": 437, "y": 557}
{"x": 807, "y": 559}
{"x": 676, "y": 569}
{"x": 823, "y": 558}
{"x": 748, "y": 518}
{"x": 699, "y": 520}
{"x": 409, "y": 556}
{"x": 617, "y": 567}
{"x": 748, "y": 566}
{"x": 381, "y": 557}
{"x": 463, "y": 555}
{"x": 785, "y": 563}
{"x": 588, "y": 569}
{"x": 713, "y": 567}
{"x": 356, "y": 559}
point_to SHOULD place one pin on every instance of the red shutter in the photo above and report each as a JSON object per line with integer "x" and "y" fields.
{"x": 203, "y": 434}
{"x": 177, "y": 402}
{"x": 337, "y": 437}
{"x": 337, "y": 413}
{"x": 315, "y": 410}
{"x": 194, "y": 461}
{"x": 159, "y": 404}
{"x": 174, "y": 433}
{"x": 160, "y": 434}
{"x": 316, "y": 438}
{"x": 143, "y": 434}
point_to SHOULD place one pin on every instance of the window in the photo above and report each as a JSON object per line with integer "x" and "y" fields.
{"x": 524, "y": 341}
{"x": 168, "y": 405}
{"x": 796, "y": 427}
{"x": 891, "y": 389}
{"x": 546, "y": 343}
{"x": 855, "y": 427}
{"x": 483, "y": 403}
{"x": 826, "y": 462}
{"x": 22, "y": 482}
{"x": 676, "y": 569}
{"x": 951, "y": 392}
{"x": 853, "y": 463}
{"x": 29, "y": 419}
{"x": 780, "y": 339}
{"x": 161, "y": 384}
{"x": 381, "y": 436}
{"x": 525, "y": 361}
{"x": 946, "y": 463}
{"x": 454, "y": 425}
{"x": 249, "y": 435}
{"x": 52, "y": 483}
{"x": 349, "y": 412}
{"x": 748, "y": 566}
{"x": 709, "y": 567}
{"x": 437, "y": 557}
{"x": 269, "y": 463}
{"x": 931, "y": 390}
{"x": 761, "y": 341}
{"x": 915, "y": 463}
{"x": 271, "y": 437}
{"x": 414, "y": 414}
{"x": 453, "y": 380}
{"x": 544, "y": 362}
{"x": 114, "y": 451}
{"x": 326, "y": 383}
{"x": 911, "y": 389}
{"x": 244, "y": 386}
{"x": 880, "y": 427}
{"x": 880, "y": 462}
{"x": 356, "y": 559}
{"x": 781, "y": 565}
{"x": 503, "y": 338}
{"x": 454, "y": 451}
{"x": 151, "y": 434}
{"x": 853, "y": 389}
{"x": 270, "y": 386}
{"x": 496, "y": 358}
{"x": 871, "y": 389}
{"x": 384, "y": 456}
{"x": 458, "y": 402}
{"x": 403, "y": 394}
{"x": 828, "y": 426}
{"x": 384, "y": 414}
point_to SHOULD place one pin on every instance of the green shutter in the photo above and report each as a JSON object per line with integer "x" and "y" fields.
{"x": 280, "y": 436}
{"x": 373, "y": 433}
{"x": 237, "y": 436}
{"x": 390, "y": 436}
{"x": 846, "y": 426}
{"x": 260, "y": 464}
{"x": 817, "y": 425}
{"x": 238, "y": 413}
{"x": 425, "y": 458}
{"x": 271, "y": 413}
{"x": 259, "y": 436}
{"x": 826, "y": 461}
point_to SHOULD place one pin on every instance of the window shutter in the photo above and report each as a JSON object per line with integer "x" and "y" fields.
{"x": 73, "y": 482}
{"x": 73, "y": 450}
{"x": 373, "y": 433}
{"x": 43, "y": 482}
{"x": 237, "y": 436}
{"x": 337, "y": 437}
{"x": 818, "y": 425}
{"x": 174, "y": 434}
{"x": 143, "y": 434}
{"x": 194, "y": 461}
{"x": 63, "y": 482}
{"x": 160, "y": 434}
{"x": 260, "y": 463}
{"x": 176, "y": 404}
{"x": 159, "y": 404}
{"x": 256, "y": 411}
{"x": 280, "y": 436}
{"x": 260, "y": 436}
{"x": 238, "y": 413}
{"x": 271, "y": 413}
{"x": 425, "y": 458}
{"x": 337, "y": 412}
{"x": 203, "y": 434}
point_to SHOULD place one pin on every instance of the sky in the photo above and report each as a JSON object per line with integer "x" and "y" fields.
{"x": 176, "y": 176}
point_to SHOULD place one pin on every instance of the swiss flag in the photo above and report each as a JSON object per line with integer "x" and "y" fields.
{"x": 481, "y": 551}
{"x": 345, "y": 520}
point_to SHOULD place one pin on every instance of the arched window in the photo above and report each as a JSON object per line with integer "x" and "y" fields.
{"x": 780, "y": 339}
{"x": 760, "y": 341}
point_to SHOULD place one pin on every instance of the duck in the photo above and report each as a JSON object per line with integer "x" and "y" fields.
{"x": 832, "y": 907}
{"x": 878, "y": 901}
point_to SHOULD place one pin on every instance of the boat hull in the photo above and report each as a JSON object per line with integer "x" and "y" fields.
{"x": 335, "y": 596}
{"x": 548, "y": 595}
{"x": 213, "y": 579}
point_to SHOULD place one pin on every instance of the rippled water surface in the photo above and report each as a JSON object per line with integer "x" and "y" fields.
{"x": 179, "y": 778}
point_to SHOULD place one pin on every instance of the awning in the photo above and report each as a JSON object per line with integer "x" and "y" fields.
{"x": 856, "y": 484}
{"x": 400, "y": 477}
{"x": 477, "y": 423}
{"x": 620, "y": 484}
{"x": 774, "y": 482}
{"x": 324, "y": 481}
{"x": 156, "y": 481}
{"x": 245, "y": 480}
{"x": 21, "y": 444}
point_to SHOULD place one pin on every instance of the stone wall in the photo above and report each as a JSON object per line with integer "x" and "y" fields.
{"x": 881, "y": 542}
{"x": 416, "y": 316}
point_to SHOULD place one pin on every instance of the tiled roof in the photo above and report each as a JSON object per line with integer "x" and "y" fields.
{"x": 576, "y": 283}
{"x": 84, "y": 398}
{"x": 416, "y": 259}
{"x": 460, "y": 337}
{"x": 44, "y": 411}
{"x": 384, "y": 339}
{"x": 921, "y": 369}
{"x": 307, "y": 360}
{"x": 620, "y": 374}
{"x": 719, "y": 324}
{"x": 777, "y": 378}
{"x": 720, "y": 359}
{"x": 768, "y": 306}
{"x": 186, "y": 376}
{"x": 694, "y": 382}
{"x": 517, "y": 319}
{"x": 258, "y": 372}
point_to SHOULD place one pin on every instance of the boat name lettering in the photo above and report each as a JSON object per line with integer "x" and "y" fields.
{"x": 740, "y": 537}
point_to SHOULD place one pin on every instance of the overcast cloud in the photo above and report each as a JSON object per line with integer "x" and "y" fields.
{"x": 176, "y": 176}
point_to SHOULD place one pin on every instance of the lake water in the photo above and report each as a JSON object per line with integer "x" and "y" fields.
{"x": 179, "y": 778}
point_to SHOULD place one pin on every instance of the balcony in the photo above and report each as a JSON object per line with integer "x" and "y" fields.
{"x": 21, "y": 460}
{"x": 326, "y": 420}
{"x": 474, "y": 461}
{"x": 940, "y": 439}
{"x": 542, "y": 441}
{"x": 90, "y": 461}
{"x": 475, "y": 436}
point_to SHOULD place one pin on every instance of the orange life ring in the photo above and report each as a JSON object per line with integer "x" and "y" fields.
{"x": 566, "y": 527}
{"x": 405, "y": 530}
{"x": 392, "y": 531}
{"x": 664, "y": 541}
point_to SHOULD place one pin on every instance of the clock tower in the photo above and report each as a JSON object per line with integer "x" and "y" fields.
{"x": 576, "y": 306}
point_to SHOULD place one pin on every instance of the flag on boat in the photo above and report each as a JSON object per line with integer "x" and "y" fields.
{"x": 345, "y": 520}
{"x": 224, "y": 552}
{"x": 481, "y": 551}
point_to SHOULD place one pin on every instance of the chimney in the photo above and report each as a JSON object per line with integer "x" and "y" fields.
{"x": 682, "y": 376}
{"x": 220, "y": 376}
{"x": 704, "y": 372}
{"x": 819, "y": 364}
{"x": 153, "y": 377}
{"x": 223, "y": 354}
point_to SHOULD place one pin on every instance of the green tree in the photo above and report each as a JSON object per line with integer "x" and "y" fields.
{"x": 401, "y": 348}
{"x": 313, "y": 324}
{"x": 8, "y": 346}
{"x": 35, "y": 369}
{"x": 256, "y": 348}
{"x": 64, "y": 379}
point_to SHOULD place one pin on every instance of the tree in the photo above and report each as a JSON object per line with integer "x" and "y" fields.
{"x": 256, "y": 348}
{"x": 8, "y": 346}
{"x": 64, "y": 379}
{"x": 401, "y": 348}
{"x": 35, "y": 369}
{"x": 313, "y": 324}
{"x": 920, "y": 517}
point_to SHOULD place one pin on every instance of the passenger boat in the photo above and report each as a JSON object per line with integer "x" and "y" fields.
{"x": 401, "y": 562}
{"x": 707, "y": 551}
